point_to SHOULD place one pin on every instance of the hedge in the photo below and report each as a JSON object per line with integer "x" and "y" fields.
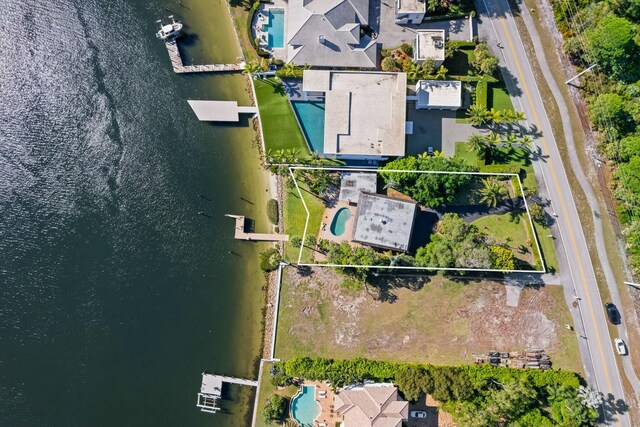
{"x": 482, "y": 89}
{"x": 514, "y": 169}
{"x": 297, "y": 74}
{"x": 272, "y": 210}
{"x": 458, "y": 44}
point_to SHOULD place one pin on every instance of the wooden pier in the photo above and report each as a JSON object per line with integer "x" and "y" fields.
{"x": 240, "y": 234}
{"x": 180, "y": 68}
{"x": 211, "y": 390}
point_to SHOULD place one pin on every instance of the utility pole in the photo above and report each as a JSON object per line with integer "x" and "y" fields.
{"x": 579, "y": 74}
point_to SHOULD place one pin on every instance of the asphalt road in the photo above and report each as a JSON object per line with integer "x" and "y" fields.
{"x": 499, "y": 28}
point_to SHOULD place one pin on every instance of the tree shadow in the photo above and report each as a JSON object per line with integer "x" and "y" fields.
{"x": 613, "y": 406}
{"x": 382, "y": 284}
{"x": 511, "y": 82}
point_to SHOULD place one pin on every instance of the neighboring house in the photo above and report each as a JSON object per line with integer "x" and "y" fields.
{"x": 371, "y": 405}
{"x": 365, "y": 112}
{"x": 429, "y": 44}
{"x": 410, "y": 11}
{"x": 438, "y": 95}
{"x": 326, "y": 33}
{"x": 384, "y": 222}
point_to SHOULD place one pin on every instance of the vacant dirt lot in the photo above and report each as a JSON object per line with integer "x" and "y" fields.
{"x": 419, "y": 319}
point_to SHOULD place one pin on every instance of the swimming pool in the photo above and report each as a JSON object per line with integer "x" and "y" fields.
{"x": 339, "y": 221}
{"x": 275, "y": 28}
{"x": 304, "y": 408}
{"x": 311, "y": 118}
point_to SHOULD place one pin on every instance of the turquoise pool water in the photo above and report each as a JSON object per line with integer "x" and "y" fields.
{"x": 304, "y": 408}
{"x": 339, "y": 221}
{"x": 275, "y": 29}
{"x": 311, "y": 118}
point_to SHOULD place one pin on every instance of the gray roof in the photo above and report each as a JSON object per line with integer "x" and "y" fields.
{"x": 429, "y": 44}
{"x": 375, "y": 405}
{"x": 384, "y": 222}
{"x": 327, "y": 33}
{"x": 352, "y": 184}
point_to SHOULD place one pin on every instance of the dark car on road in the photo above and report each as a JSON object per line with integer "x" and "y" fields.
{"x": 612, "y": 313}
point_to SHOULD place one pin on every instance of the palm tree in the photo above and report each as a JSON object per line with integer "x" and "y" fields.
{"x": 292, "y": 154}
{"x": 477, "y": 114}
{"x": 391, "y": 183}
{"x": 269, "y": 156}
{"x": 493, "y": 139}
{"x": 492, "y": 192}
{"x": 510, "y": 140}
{"x": 252, "y": 67}
{"x": 413, "y": 72}
{"x": 278, "y": 155}
{"x": 290, "y": 423}
{"x": 526, "y": 141}
{"x": 441, "y": 74}
{"x": 477, "y": 144}
{"x": 424, "y": 155}
{"x": 314, "y": 159}
{"x": 289, "y": 69}
{"x": 509, "y": 116}
{"x": 519, "y": 116}
{"x": 495, "y": 116}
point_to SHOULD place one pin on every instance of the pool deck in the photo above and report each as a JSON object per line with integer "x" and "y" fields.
{"x": 327, "y": 218}
{"x": 327, "y": 414}
{"x": 262, "y": 18}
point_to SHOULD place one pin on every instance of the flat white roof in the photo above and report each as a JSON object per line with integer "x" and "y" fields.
{"x": 409, "y": 6}
{"x": 365, "y": 112}
{"x": 429, "y": 44}
{"x": 219, "y": 111}
{"x": 439, "y": 94}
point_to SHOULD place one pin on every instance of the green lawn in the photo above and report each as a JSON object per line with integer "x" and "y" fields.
{"x": 547, "y": 247}
{"x": 460, "y": 63}
{"x": 467, "y": 155}
{"x": 507, "y": 230}
{"x": 279, "y": 125}
{"x": 294, "y": 220}
{"x": 498, "y": 97}
{"x": 267, "y": 389}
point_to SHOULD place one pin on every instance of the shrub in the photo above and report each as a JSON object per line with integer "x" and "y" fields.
{"x": 388, "y": 64}
{"x": 537, "y": 213}
{"x": 407, "y": 48}
{"x": 500, "y": 168}
{"x": 272, "y": 210}
{"x": 296, "y": 74}
{"x": 274, "y": 408}
{"x": 270, "y": 260}
{"x": 281, "y": 380}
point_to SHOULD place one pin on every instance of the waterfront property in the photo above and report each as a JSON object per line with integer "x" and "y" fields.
{"x": 310, "y": 115}
{"x": 211, "y": 390}
{"x": 279, "y": 125}
{"x": 365, "y": 112}
{"x": 352, "y": 184}
{"x": 219, "y": 111}
{"x": 429, "y": 44}
{"x": 328, "y": 34}
{"x": 438, "y": 94}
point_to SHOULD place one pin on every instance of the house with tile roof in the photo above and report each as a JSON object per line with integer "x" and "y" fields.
{"x": 326, "y": 33}
{"x": 371, "y": 405}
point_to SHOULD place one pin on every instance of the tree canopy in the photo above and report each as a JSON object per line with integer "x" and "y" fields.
{"x": 612, "y": 45}
{"x": 430, "y": 189}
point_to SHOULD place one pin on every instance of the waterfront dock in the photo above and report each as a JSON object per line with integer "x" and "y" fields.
{"x": 211, "y": 390}
{"x": 240, "y": 233}
{"x": 180, "y": 68}
{"x": 219, "y": 111}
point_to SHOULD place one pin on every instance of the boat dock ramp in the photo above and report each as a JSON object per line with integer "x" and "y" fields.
{"x": 219, "y": 111}
{"x": 240, "y": 233}
{"x": 180, "y": 68}
{"x": 211, "y": 390}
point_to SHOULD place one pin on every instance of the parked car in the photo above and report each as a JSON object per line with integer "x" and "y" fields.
{"x": 621, "y": 347}
{"x": 418, "y": 414}
{"x": 430, "y": 151}
{"x": 612, "y": 313}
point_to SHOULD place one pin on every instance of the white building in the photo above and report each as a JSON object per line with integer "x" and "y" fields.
{"x": 410, "y": 11}
{"x": 429, "y": 44}
{"x": 326, "y": 33}
{"x": 438, "y": 95}
{"x": 365, "y": 112}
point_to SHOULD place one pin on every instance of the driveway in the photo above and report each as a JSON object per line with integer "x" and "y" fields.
{"x": 437, "y": 129}
{"x": 390, "y": 34}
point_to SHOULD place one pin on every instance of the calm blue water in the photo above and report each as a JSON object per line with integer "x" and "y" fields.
{"x": 311, "y": 118}
{"x": 304, "y": 407}
{"x": 276, "y": 29}
{"x": 339, "y": 221}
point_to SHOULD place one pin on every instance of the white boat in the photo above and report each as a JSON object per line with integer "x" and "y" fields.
{"x": 169, "y": 31}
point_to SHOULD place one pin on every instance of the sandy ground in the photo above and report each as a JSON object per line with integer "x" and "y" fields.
{"x": 419, "y": 319}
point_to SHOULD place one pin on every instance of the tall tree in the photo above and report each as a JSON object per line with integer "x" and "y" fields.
{"x": 612, "y": 45}
{"x": 492, "y": 192}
